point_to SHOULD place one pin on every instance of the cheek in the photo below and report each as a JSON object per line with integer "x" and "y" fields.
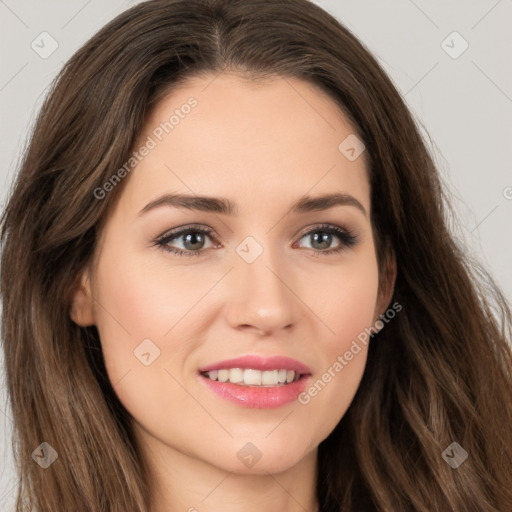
{"x": 148, "y": 313}
{"x": 347, "y": 308}
{"x": 128, "y": 312}
{"x": 137, "y": 300}
{"x": 345, "y": 300}
{"x": 135, "y": 308}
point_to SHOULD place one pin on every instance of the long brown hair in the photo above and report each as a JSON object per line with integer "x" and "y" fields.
{"x": 439, "y": 373}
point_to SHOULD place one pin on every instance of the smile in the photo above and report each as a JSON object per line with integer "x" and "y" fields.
{"x": 251, "y": 377}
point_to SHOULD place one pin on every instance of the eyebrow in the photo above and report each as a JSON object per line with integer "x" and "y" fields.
{"x": 224, "y": 206}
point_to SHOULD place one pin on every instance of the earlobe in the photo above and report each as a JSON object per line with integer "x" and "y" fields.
{"x": 81, "y": 310}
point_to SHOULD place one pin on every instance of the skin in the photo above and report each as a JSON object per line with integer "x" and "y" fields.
{"x": 263, "y": 147}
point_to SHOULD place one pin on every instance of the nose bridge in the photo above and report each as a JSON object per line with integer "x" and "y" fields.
{"x": 261, "y": 295}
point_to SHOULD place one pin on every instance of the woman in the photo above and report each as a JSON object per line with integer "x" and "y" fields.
{"x": 328, "y": 347}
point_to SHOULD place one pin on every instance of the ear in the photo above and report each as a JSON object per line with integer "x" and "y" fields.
{"x": 387, "y": 278}
{"x": 82, "y": 311}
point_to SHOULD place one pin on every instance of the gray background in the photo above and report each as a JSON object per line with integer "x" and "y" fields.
{"x": 463, "y": 100}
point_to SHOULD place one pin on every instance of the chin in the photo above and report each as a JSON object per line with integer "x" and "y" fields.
{"x": 264, "y": 456}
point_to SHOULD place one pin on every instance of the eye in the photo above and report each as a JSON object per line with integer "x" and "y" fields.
{"x": 193, "y": 240}
{"x": 321, "y": 237}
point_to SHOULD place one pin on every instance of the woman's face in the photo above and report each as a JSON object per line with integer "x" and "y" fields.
{"x": 264, "y": 280}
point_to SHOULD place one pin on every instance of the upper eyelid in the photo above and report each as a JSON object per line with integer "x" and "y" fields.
{"x": 180, "y": 231}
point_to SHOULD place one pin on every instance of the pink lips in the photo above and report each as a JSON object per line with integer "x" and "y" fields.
{"x": 254, "y": 396}
{"x": 259, "y": 363}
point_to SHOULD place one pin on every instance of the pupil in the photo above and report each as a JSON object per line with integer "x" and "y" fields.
{"x": 325, "y": 239}
{"x": 191, "y": 238}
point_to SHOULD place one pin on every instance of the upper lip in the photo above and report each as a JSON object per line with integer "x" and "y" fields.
{"x": 256, "y": 362}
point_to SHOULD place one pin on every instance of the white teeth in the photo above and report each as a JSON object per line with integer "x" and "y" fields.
{"x": 236, "y": 375}
{"x": 223, "y": 375}
{"x": 270, "y": 378}
{"x": 250, "y": 377}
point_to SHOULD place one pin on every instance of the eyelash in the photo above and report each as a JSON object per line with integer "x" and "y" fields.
{"x": 347, "y": 238}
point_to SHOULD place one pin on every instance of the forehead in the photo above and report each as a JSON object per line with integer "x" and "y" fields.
{"x": 274, "y": 140}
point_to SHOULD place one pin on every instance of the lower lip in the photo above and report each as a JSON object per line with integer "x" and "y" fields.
{"x": 257, "y": 397}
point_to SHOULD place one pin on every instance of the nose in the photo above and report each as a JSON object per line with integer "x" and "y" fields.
{"x": 261, "y": 295}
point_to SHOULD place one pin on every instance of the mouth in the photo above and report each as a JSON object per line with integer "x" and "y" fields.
{"x": 254, "y": 378}
{"x": 256, "y": 371}
{"x": 256, "y": 388}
